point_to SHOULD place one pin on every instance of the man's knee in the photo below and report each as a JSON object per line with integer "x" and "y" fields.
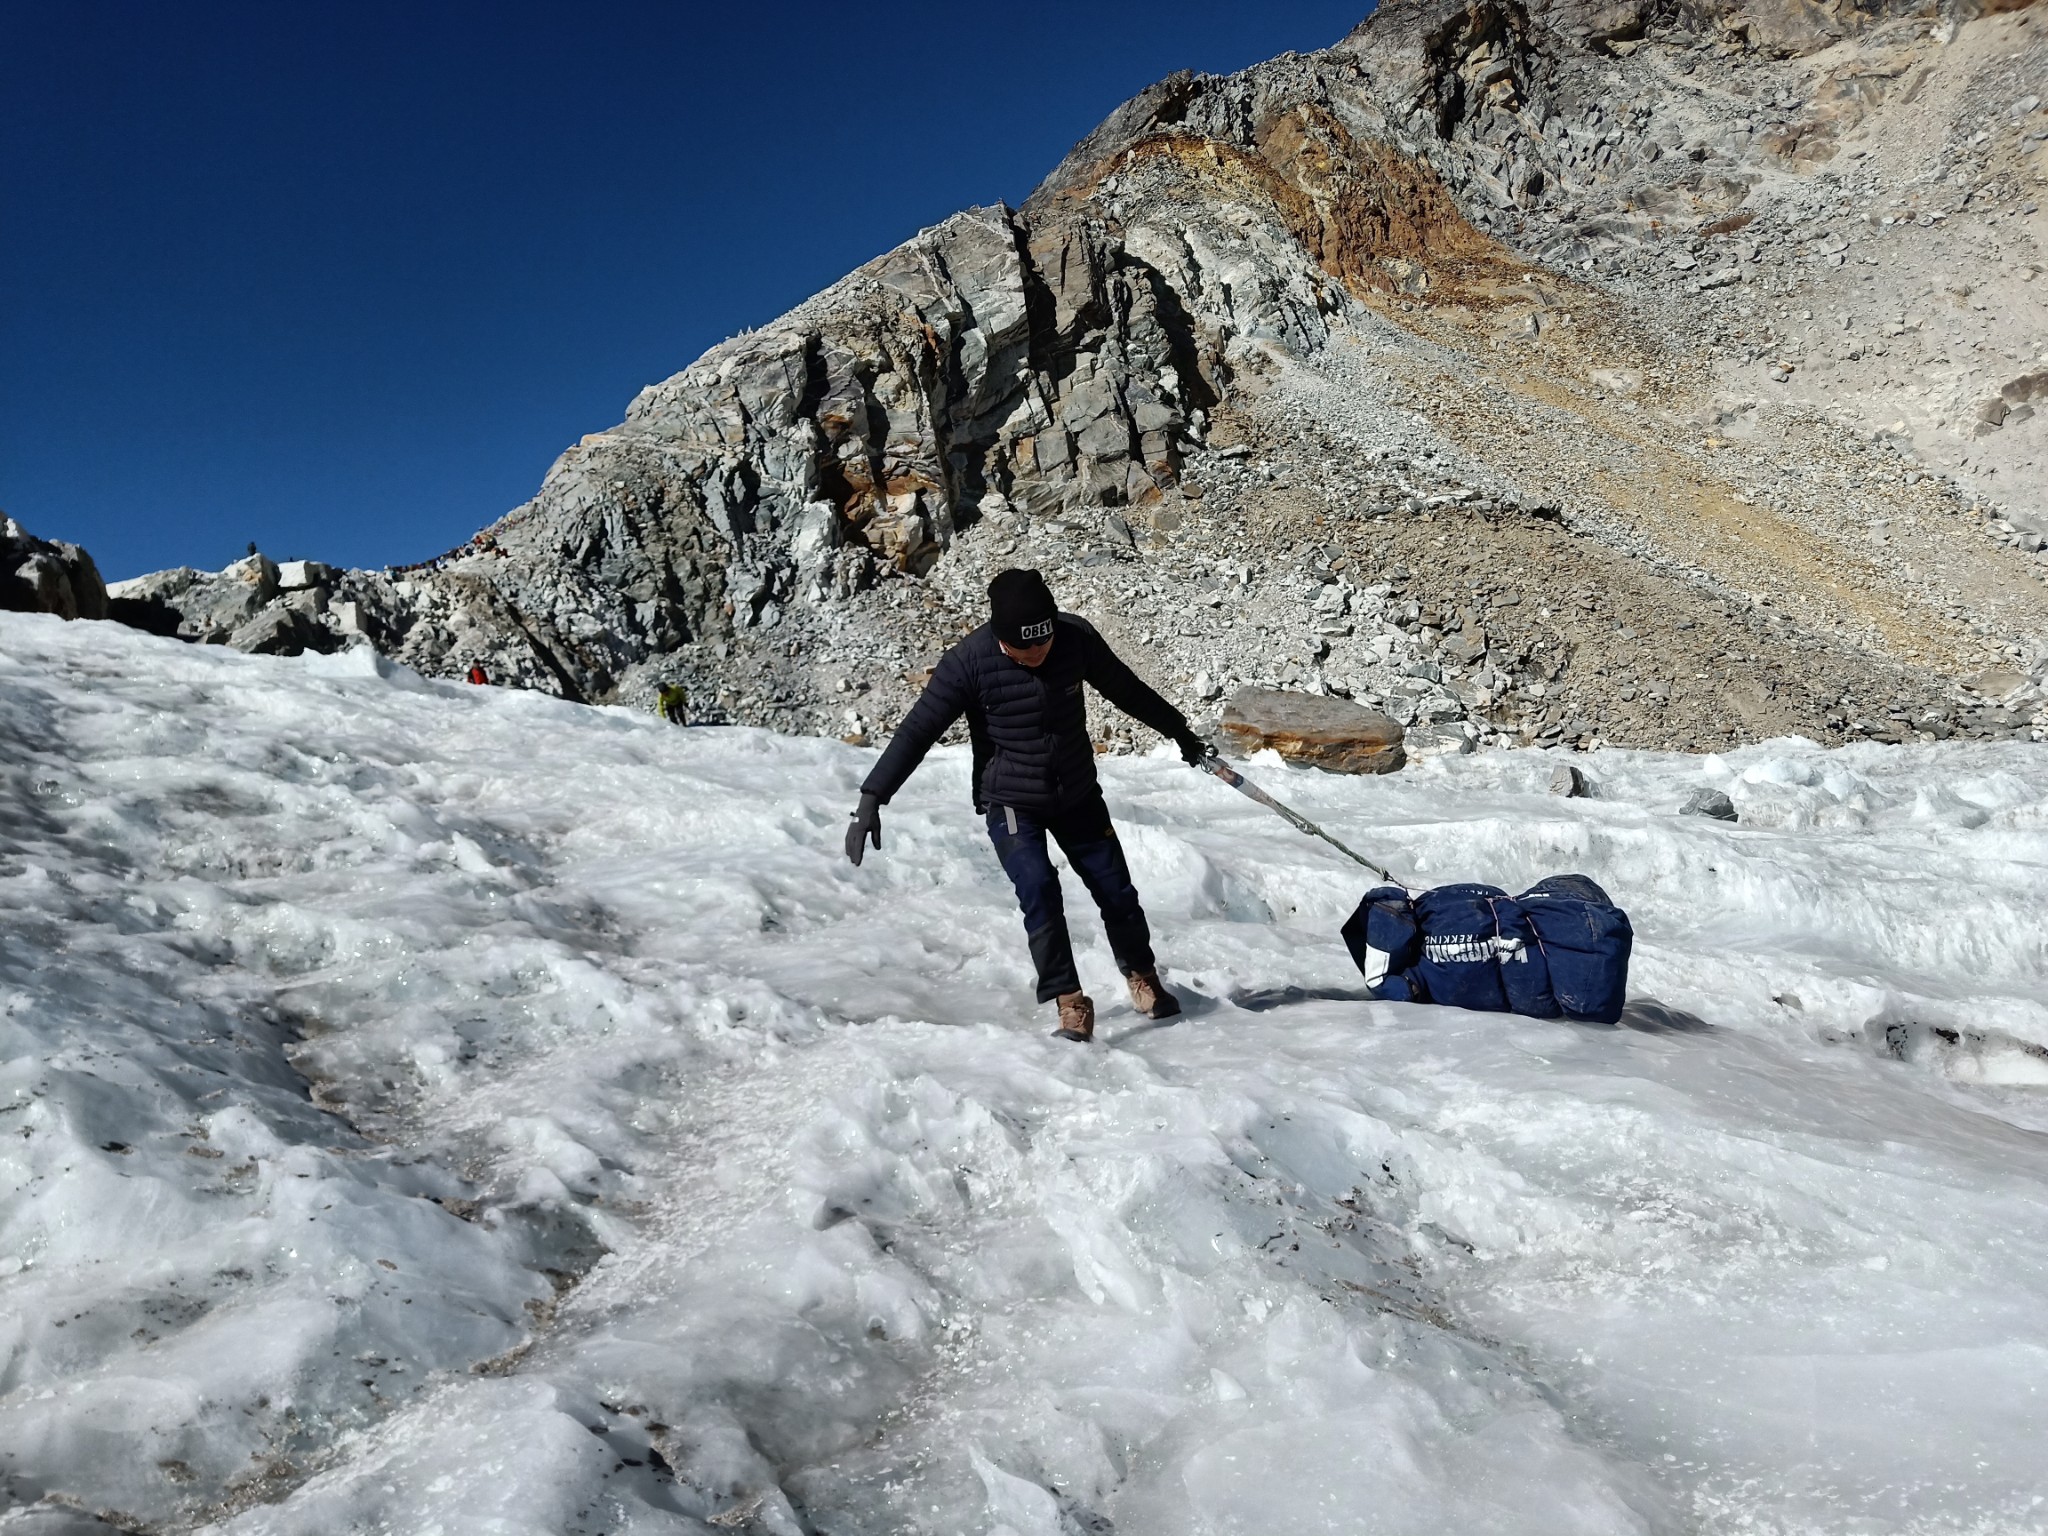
{"x": 1031, "y": 872}
{"x": 1100, "y": 863}
{"x": 1038, "y": 893}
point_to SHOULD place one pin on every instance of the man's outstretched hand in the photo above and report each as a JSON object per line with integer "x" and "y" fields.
{"x": 867, "y": 823}
{"x": 1193, "y": 750}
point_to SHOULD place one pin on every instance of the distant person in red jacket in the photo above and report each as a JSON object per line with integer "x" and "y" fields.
{"x": 476, "y": 675}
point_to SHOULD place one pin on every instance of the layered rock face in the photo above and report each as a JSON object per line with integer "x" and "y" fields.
{"x": 1454, "y": 368}
{"x": 990, "y": 363}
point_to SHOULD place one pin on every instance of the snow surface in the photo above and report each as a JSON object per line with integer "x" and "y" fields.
{"x": 435, "y": 1109}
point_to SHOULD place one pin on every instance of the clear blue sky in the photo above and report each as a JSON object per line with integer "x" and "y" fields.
{"x": 344, "y": 278}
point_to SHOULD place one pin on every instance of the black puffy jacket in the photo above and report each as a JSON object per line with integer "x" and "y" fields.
{"x": 1029, "y": 724}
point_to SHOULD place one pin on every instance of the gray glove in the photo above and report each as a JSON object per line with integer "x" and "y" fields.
{"x": 867, "y": 823}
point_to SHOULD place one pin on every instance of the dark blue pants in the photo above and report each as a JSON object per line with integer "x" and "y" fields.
{"x": 1089, "y": 842}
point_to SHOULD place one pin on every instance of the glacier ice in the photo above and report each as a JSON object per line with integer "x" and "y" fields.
{"x": 435, "y": 1108}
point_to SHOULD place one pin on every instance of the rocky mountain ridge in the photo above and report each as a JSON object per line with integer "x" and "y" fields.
{"x": 1555, "y": 372}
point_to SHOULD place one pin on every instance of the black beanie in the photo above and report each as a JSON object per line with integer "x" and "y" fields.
{"x": 1021, "y": 608}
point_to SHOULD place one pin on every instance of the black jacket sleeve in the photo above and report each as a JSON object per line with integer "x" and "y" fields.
{"x": 943, "y": 701}
{"x": 1116, "y": 682}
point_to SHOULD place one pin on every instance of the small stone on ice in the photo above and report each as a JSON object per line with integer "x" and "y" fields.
{"x": 1568, "y": 781}
{"x": 1709, "y": 802}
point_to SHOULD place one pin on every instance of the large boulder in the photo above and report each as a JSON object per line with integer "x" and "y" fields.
{"x": 1328, "y": 733}
{"x": 203, "y": 605}
{"x": 281, "y": 630}
{"x": 151, "y": 602}
{"x": 44, "y": 576}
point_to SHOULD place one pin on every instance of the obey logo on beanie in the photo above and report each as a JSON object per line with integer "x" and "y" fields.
{"x": 1021, "y": 609}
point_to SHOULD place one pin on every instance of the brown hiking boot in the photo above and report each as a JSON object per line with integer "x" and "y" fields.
{"x": 1077, "y": 1017}
{"x": 1150, "y": 997}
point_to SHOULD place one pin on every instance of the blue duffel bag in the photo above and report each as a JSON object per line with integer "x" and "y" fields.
{"x": 1585, "y": 941}
{"x": 1561, "y": 948}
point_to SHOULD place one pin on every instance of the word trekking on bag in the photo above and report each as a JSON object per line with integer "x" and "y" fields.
{"x": 1472, "y": 949}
